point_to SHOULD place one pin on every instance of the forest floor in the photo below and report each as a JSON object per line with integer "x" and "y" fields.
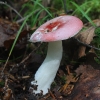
{"x": 76, "y": 79}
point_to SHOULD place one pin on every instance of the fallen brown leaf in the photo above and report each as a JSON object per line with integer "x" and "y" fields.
{"x": 7, "y": 30}
{"x": 88, "y": 85}
{"x": 8, "y": 94}
{"x": 86, "y": 36}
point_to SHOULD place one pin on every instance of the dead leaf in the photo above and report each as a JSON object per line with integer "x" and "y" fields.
{"x": 7, "y": 30}
{"x": 86, "y": 36}
{"x": 81, "y": 51}
{"x": 8, "y": 43}
{"x": 96, "y": 22}
{"x": 87, "y": 87}
{"x": 8, "y": 94}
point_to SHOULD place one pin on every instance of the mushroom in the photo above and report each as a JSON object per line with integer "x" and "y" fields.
{"x": 53, "y": 31}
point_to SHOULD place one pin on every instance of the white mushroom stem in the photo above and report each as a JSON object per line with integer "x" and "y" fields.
{"x": 47, "y": 71}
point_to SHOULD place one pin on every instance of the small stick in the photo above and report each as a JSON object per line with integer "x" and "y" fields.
{"x": 52, "y": 95}
{"x": 2, "y": 72}
{"x": 29, "y": 55}
{"x": 68, "y": 70}
{"x": 5, "y": 3}
{"x": 86, "y": 44}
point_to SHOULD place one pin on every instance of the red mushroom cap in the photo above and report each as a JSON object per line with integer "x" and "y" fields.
{"x": 59, "y": 28}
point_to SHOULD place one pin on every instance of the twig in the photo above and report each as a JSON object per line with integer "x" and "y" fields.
{"x": 5, "y": 3}
{"x": 25, "y": 59}
{"x": 22, "y": 19}
{"x": 2, "y": 72}
{"x": 52, "y": 95}
{"x": 29, "y": 55}
{"x": 65, "y": 8}
{"x": 87, "y": 44}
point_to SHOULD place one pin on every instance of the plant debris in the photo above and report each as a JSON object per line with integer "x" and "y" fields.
{"x": 78, "y": 74}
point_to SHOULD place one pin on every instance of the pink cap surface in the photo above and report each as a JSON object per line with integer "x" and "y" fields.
{"x": 59, "y": 28}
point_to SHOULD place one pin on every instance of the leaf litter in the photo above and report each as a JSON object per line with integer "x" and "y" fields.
{"x": 74, "y": 81}
{"x": 86, "y": 36}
